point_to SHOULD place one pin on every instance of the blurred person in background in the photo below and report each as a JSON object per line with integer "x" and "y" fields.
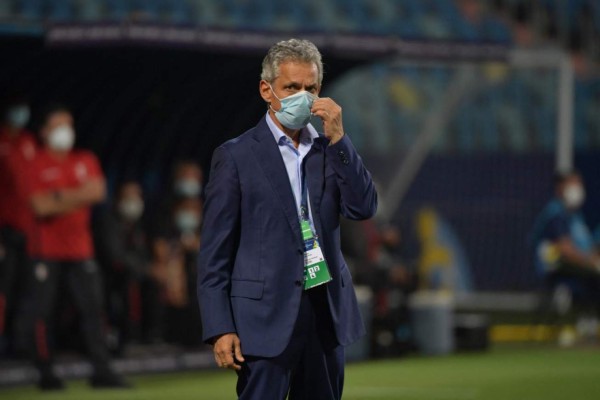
{"x": 478, "y": 24}
{"x": 63, "y": 185}
{"x": 18, "y": 148}
{"x": 123, "y": 251}
{"x": 565, "y": 253}
{"x": 373, "y": 252}
{"x": 188, "y": 179}
{"x": 174, "y": 267}
{"x": 186, "y": 182}
{"x": 277, "y": 307}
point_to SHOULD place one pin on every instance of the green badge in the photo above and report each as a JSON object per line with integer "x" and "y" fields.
{"x": 315, "y": 268}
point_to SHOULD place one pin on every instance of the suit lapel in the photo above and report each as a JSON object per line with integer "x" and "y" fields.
{"x": 268, "y": 156}
{"x": 315, "y": 172}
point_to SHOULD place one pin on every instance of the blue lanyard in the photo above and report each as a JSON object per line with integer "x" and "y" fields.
{"x": 304, "y": 196}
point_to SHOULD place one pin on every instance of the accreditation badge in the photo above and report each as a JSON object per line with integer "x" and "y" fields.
{"x": 316, "y": 271}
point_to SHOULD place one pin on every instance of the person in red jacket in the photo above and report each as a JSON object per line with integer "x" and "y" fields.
{"x": 17, "y": 149}
{"x": 64, "y": 184}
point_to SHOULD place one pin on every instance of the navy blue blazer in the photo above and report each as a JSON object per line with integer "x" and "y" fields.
{"x": 251, "y": 263}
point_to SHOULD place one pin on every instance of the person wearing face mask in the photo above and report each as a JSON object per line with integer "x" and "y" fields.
{"x": 188, "y": 178}
{"x": 565, "y": 253}
{"x": 174, "y": 267}
{"x": 123, "y": 251}
{"x": 276, "y": 296}
{"x": 63, "y": 185}
{"x": 186, "y": 182}
{"x": 17, "y": 150}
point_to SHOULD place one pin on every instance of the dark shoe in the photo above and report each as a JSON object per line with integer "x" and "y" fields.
{"x": 49, "y": 381}
{"x": 109, "y": 381}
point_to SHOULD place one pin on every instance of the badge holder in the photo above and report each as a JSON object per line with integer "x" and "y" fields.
{"x": 316, "y": 272}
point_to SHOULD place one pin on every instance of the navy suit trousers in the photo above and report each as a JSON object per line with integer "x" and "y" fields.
{"x": 312, "y": 365}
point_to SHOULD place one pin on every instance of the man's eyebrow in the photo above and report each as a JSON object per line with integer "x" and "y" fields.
{"x": 299, "y": 85}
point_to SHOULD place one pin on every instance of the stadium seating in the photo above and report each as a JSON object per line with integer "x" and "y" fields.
{"x": 490, "y": 121}
{"x": 431, "y": 19}
{"x": 514, "y": 109}
{"x": 426, "y": 19}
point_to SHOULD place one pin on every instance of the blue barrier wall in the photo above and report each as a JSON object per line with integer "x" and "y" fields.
{"x": 490, "y": 201}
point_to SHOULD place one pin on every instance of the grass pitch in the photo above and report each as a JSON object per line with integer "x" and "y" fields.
{"x": 516, "y": 373}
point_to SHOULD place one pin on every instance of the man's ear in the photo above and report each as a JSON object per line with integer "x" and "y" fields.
{"x": 265, "y": 91}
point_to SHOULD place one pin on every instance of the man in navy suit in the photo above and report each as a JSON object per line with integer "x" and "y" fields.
{"x": 275, "y": 294}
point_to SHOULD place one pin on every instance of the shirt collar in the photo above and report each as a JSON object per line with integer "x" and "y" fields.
{"x": 307, "y": 135}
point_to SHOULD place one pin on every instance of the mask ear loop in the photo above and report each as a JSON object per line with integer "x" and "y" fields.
{"x": 272, "y": 91}
{"x": 271, "y": 87}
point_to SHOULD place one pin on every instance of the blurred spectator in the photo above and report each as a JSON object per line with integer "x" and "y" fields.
{"x": 17, "y": 149}
{"x": 523, "y": 33}
{"x": 188, "y": 179}
{"x": 374, "y": 255}
{"x": 389, "y": 258}
{"x": 123, "y": 251}
{"x": 63, "y": 185}
{"x": 395, "y": 283}
{"x": 564, "y": 247}
{"x": 175, "y": 255}
{"x": 186, "y": 183}
{"x": 480, "y": 25}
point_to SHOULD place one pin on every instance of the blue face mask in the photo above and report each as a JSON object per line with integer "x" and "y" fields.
{"x": 295, "y": 109}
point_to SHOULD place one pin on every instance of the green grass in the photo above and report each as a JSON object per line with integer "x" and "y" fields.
{"x": 524, "y": 373}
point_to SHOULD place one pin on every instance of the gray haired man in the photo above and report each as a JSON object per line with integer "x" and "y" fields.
{"x": 275, "y": 294}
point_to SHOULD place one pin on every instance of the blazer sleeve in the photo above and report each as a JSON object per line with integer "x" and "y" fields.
{"x": 220, "y": 235}
{"x": 358, "y": 195}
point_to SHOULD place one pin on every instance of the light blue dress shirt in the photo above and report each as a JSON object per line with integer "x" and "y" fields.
{"x": 292, "y": 157}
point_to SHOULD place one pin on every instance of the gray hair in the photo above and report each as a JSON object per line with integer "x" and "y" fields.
{"x": 295, "y": 50}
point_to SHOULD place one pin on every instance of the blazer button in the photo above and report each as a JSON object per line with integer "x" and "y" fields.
{"x": 298, "y": 283}
{"x": 345, "y": 161}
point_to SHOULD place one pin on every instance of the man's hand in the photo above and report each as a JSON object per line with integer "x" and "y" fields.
{"x": 331, "y": 115}
{"x": 225, "y": 348}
